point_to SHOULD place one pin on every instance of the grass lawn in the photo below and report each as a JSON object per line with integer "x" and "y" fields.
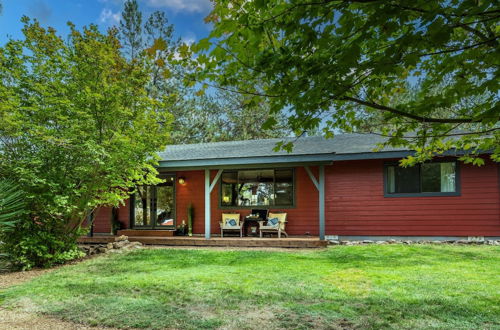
{"x": 386, "y": 286}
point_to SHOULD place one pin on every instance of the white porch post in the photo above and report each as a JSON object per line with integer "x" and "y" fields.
{"x": 207, "y": 203}
{"x": 321, "y": 188}
{"x": 208, "y": 189}
{"x": 320, "y": 185}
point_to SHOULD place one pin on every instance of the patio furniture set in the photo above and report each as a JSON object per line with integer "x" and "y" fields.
{"x": 263, "y": 221}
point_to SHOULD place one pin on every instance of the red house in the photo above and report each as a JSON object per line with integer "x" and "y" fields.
{"x": 337, "y": 187}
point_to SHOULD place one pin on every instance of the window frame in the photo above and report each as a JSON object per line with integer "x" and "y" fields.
{"x": 155, "y": 227}
{"x": 457, "y": 191}
{"x": 266, "y": 207}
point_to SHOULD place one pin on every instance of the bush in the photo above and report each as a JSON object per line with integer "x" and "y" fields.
{"x": 12, "y": 208}
{"x": 37, "y": 243}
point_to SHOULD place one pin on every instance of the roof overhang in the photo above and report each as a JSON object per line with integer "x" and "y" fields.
{"x": 285, "y": 160}
{"x": 247, "y": 162}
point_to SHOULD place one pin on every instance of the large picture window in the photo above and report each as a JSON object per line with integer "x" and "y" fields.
{"x": 154, "y": 206}
{"x": 435, "y": 178}
{"x": 259, "y": 187}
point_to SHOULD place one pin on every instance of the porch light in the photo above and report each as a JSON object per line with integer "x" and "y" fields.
{"x": 182, "y": 180}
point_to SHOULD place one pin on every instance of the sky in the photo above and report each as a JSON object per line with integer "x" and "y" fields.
{"x": 186, "y": 15}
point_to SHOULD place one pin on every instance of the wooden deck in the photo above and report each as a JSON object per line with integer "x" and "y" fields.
{"x": 291, "y": 242}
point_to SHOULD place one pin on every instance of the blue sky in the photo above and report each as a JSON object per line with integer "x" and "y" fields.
{"x": 186, "y": 15}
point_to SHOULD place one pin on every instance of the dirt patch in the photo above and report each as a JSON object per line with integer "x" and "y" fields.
{"x": 15, "y": 319}
{"x": 15, "y": 278}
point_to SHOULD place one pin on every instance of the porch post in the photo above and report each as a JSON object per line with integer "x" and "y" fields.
{"x": 207, "y": 203}
{"x": 321, "y": 189}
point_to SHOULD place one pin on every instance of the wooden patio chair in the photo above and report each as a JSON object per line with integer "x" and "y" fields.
{"x": 268, "y": 227}
{"x": 225, "y": 223}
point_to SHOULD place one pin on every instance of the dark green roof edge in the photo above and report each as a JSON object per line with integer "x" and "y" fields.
{"x": 281, "y": 159}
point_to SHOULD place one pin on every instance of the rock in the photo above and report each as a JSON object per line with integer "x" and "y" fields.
{"x": 121, "y": 238}
{"x": 437, "y": 242}
{"x": 367, "y": 241}
{"x": 120, "y": 244}
{"x": 102, "y": 250}
{"x": 334, "y": 242}
{"x": 380, "y": 242}
{"x": 109, "y": 246}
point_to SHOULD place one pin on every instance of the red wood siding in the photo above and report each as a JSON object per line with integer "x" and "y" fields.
{"x": 355, "y": 204}
{"x": 102, "y": 218}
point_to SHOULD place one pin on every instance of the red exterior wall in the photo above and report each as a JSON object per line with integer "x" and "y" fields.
{"x": 102, "y": 218}
{"x": 356, "y": 206}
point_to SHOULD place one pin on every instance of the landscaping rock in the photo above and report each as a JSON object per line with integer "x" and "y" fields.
{"x": 109, "y": 246}
{"x": 120, "y": 244}
{"x": 102, "y": 250}
{"x": 121, "y": 238}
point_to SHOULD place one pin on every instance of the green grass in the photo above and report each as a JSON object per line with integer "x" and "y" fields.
{"x": 389, "y": 286}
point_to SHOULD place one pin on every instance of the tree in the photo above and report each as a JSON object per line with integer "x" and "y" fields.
{"x": 77, "y": 128}
{"x": 343, "y": 62}
{"x": 223, "y": 117}
{"x": 131, "y": 28}
{"x": 198, "y": 117}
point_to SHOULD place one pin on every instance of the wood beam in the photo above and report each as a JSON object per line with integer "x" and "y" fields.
{"x": 207, "y": 204}
{"x": 321, "y": 189}
{"x": 217, "y": 176}
{"x": 312, "y": 177}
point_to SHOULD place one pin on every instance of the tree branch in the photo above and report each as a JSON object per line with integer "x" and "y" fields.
{"x": 410, "y": 115}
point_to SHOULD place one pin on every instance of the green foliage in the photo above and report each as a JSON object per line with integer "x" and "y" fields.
{"x": 12, "y": 210}
{"x": 131, "y": 28}
{"x": 199, "y": 116}
{"x": 345, "y": 287}
{"x": 77, "y": 127}
{"x": 39, "y": 243}
{"x": 340, "y": 64}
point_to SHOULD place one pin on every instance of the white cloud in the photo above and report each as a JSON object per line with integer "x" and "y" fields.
{"x": 107, "y": 16}
{"x": 193, "y": 6}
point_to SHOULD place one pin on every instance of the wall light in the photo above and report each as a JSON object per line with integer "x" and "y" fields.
{"x": 182, "y": 180}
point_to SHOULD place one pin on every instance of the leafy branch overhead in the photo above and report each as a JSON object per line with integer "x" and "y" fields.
{"x": 423, "y": 73}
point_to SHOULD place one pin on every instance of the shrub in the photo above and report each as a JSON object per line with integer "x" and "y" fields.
{"x": 38, "y": 243}
{"x": 12, "y": 208}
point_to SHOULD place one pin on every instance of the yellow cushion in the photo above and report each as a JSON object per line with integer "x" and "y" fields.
{"x": 281, "y": 216}
{"x": 228, "y": 216}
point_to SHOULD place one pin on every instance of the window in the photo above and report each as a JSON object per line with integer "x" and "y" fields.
{"x": 260, "y": 187}
{"x": 436, "y": 178}
{"x": 154, "y": 206}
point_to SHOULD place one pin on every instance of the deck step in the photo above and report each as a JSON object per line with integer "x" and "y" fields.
{"x": 290, "y": 242}
{"x": 146, "y": 233}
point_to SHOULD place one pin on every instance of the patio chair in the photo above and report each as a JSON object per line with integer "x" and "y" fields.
{"x": 231, "y": 222}
{"x": 275, "y": 223}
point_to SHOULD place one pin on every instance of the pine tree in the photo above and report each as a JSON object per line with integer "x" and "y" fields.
{"x": 131, "y": 28}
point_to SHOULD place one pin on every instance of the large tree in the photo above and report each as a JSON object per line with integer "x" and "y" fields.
{"x": 198, "y": 117}
{"x": 77, "y": 127}
{"x": 341, "y": 63}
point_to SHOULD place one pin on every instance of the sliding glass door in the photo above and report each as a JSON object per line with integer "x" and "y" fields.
{"x": 153, "y": 207}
